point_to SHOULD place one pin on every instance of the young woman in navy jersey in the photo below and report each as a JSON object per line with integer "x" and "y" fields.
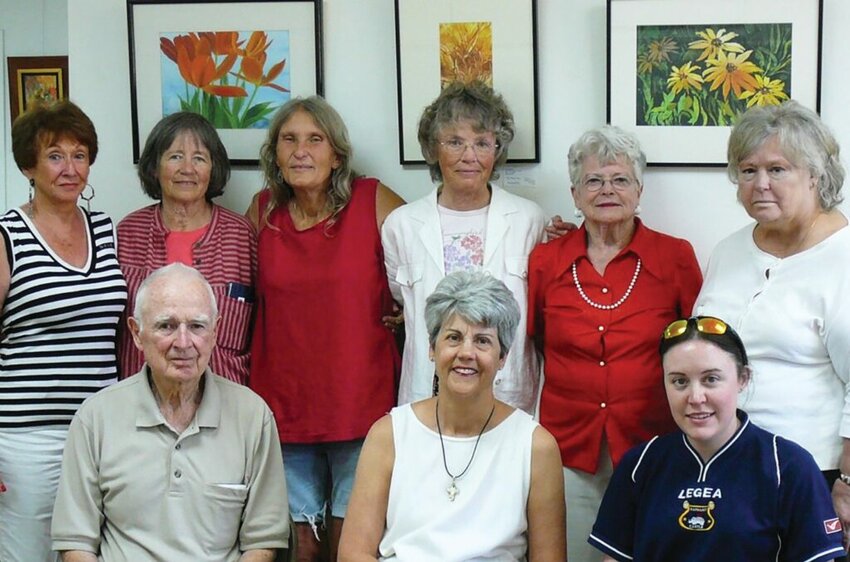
{"x": 720, "y": 488}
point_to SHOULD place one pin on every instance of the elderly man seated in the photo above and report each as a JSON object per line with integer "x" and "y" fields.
{"x": 174, "y": 463}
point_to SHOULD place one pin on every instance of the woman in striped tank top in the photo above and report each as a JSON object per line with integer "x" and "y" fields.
{"x": 61, "y": 293}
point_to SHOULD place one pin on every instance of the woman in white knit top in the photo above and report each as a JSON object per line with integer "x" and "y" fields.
{"x": 460, "y": 476}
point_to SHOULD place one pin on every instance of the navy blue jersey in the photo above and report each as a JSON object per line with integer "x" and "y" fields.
{"x": 759, "y": 498}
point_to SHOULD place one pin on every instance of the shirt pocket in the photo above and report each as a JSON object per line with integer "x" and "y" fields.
{"x": 517, "y": 267}
{"x": 409, "y": 274}
{"x": 234, "y": 324}
{"x": 219, "y": 512}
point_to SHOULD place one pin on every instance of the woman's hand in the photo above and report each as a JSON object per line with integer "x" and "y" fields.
{"x": 557, "y": 228}
{"x": 394, "y": 321}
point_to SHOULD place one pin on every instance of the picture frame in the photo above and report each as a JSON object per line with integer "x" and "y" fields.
{"x": 678, "y": 77}
{"x": 505, "y": 32}
{"x": 36, "y": 80}
{"x": 193, "y": 55}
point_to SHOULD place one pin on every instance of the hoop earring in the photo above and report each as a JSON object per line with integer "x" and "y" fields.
{"x": 88, "y": 199}
{"x": 577, "y": 212}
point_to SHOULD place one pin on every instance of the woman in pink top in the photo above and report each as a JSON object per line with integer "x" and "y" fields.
{"x": 184, "y": 165}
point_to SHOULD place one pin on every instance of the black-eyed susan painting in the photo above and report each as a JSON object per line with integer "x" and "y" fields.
{"x": 706, "y": 75}
{"x": 236, "y": 79}
{"x": 681, "y": 72}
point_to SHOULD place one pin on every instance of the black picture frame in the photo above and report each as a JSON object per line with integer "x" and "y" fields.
{"x": 148, "y": 19}
{"x": 513, "y": 65}
{"x": 630, "y": 59}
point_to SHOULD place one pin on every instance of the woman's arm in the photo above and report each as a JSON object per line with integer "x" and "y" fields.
{"x": 547, "y": 529}
{"x": 386, "y": 201}
{"x": 253, "y": 212}
{"x": 366, "y": 516}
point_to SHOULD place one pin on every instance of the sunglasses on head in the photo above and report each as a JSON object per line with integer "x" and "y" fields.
{"x": 705, "y": 324}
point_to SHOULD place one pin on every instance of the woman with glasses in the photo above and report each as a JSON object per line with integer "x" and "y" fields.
{"x": 783, "y": 282}
{"x": 719, "y": 488}
{"x": 465, "y": 223}
{"x": 597, "y": 296}
{"x": 321, "y": 356}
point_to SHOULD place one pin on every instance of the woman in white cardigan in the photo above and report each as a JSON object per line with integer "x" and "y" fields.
{"x": 465, "y": 223}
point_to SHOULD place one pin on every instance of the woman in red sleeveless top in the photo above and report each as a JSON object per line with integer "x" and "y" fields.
{"x": 321, "y": 356}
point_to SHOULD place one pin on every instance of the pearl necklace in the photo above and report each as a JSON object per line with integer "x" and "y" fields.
{"x": 453, "y": 490}
{"x": 606, "y": 306}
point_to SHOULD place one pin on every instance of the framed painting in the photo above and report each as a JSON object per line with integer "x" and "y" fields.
{"x": 440, "y": 41}
{"x": 36, "y": 80}
{"x": 234, "y": 62}
{"x": 679, "y": 77}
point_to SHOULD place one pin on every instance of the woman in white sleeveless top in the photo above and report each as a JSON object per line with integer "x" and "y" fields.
{"x": 460, "y": 476}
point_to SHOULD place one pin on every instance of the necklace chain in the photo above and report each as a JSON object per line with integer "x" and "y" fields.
{"x": 606, "y": 306}
{"x": 453, "y": 490}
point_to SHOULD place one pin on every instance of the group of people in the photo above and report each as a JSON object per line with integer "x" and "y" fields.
{"x": 640, "y": 453}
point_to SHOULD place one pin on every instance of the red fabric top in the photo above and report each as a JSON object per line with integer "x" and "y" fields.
{"x": 179, "y": 245}
{"x": 602, "y": 369}
{"x": 320, "y": 356}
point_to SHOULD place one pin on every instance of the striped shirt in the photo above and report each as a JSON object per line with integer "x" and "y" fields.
{"x": 57, "y": 345}
{"x": 226, "y": 255}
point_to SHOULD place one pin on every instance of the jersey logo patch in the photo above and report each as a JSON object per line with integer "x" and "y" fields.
{"x": 697, "y": 517}
{"x": 832, "y": 526}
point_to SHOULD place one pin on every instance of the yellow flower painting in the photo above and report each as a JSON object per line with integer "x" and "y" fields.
{"x": 707, "y": 75}
{"x": 466, "y": 52}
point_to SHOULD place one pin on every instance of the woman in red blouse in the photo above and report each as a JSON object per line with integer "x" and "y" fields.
{"x": 598, "y": 298}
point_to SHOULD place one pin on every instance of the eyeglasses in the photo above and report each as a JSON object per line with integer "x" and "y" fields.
{"x": 620, "y": 183}
{"x": 480, "y": 147}
{"x": 705, "y": 324}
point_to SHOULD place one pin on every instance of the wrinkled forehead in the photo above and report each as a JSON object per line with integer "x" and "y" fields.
{"x": 178, "y": 297}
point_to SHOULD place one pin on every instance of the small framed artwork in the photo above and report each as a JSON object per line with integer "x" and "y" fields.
{"x": 35, "y": 81}
{"x": 235, "y": 62}
{"x": 440, "y": 41}
{"x": 679, "y": 77}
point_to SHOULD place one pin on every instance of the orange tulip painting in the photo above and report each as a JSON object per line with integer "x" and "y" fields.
{"x": 236, "y": 79}
{"x": 707, "y": 75}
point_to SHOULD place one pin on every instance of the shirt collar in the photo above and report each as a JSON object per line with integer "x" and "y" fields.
{"x": 642, "y": 245}
{"x": 209, "y": 410}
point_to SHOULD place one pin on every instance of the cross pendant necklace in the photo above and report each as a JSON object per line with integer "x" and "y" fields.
{"x": 453, "y": 490}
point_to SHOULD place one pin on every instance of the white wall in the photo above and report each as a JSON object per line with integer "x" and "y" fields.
{"x": 696, "y": 203}
{"x": 29, "y": 28}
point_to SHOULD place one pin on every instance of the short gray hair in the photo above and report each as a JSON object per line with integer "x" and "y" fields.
{"x": 175, "y": 269}
{"x": 607, "y": 144}
{"x": 803, "y": 138}
{"x": 477, "y": 297}
{"x": 461, "y": 101}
